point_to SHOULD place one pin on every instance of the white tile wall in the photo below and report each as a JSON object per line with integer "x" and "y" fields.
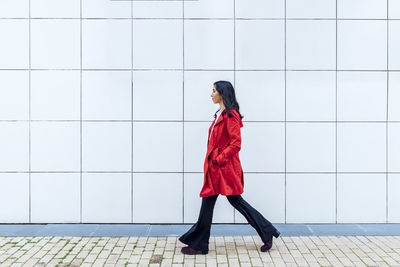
{"x": 361, "y": 198}
{"x": 106, "y": 146}
{"x": 361, "y": 45}
{"x": 259, "y": 44}
{"x": 362, "y": 9}
{"x": 311, "y": 198}
{"x": 55, "y": 197}
{"x": 393, "y": 147}
{"x": 209, "y": 44}
{"x": 14, "y": 197}
{"x": 106, "y": 9}
{"x": 158, "y": 95}
{"x": 361, "y": 96}
{"x": 310, "y": 95}
{"x": 14, "y": 144}
{"x": 269, "y": 87}
{"x": 115, "y": 96}
{"x": 310, "y": 147}
{"x": 195, "y": 146}
{"x": 361, "y": 147}
{"x": 157, "y": 9}
{"x": 55, "y": 8}
{"x": 106, "y": 95}
{"x": 311, "y": 9}
{"x": 55, "y": 44}
{"x": 209, "y": 9}
{"x": 106, "y": 197}
{"x": 14, "y": 95}
{"x": 55, "y": 95}
{"x": 14, "y": 45}
{"x": 310, "y": 44}
{"x": 55, "y": 146}
{"x": 394, "y": 96}
{"x": 14, "y": 9}
{"x": 393, "y": 198}
{"x": 394, "y": 9}
{"x": 266, "y": 193}
{"x": 157, "y": 44}
{"x": 193, "y": 183}
{"x": 106, "y": 44}
{"x": 157, "y": 146}
{"x": 393, "y": 44}
{"x": 268, "y": 138}
{"x": 260, "y": 9}
{"x": 157, "y": 197}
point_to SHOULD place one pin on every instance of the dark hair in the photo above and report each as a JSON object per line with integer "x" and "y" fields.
{"x": 225, "y": 89}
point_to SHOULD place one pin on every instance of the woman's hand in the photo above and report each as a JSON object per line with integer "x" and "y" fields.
{"x": 215, "y": 162}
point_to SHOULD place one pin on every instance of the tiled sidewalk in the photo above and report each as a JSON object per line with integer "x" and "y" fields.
{"x": 224, "y": 251}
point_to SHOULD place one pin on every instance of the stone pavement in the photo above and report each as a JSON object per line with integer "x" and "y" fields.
{"x": 224, "y": 251}
{"x": 230, "y": 245}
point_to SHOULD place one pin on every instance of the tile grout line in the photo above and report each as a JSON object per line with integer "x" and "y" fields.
{"x": 261, "y": 172}
{"x": 80, "y": 115}
{"x": 198, "y": 18}
{"x": 30, "y": 108}
{"x": 168, "y": 121}
{"x": 183, "y": 111}
{"x": 336, "y": 117}
{"x": 285, "y": 122}
{"x": 387, "y": 111}
{"x": 132, "y": 116}
{"x": 210, "y": 70}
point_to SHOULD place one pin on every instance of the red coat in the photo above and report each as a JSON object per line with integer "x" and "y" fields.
{"x": 226, "y": 178}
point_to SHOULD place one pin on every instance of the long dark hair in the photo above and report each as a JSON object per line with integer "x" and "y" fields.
{"x": 226, "y": 90}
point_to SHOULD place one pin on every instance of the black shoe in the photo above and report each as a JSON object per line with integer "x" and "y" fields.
{"x": 190, "y": 251}
{"x": 268, "y": 245}
{"x": 277, "y": 234}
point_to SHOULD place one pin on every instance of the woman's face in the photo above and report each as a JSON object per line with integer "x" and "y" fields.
{"x": 216, "y": 97}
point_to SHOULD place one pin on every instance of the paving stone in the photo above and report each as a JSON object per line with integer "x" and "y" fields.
{"x": 178, "y": 258}
{"x": 244, "y": 258}
{"x": 158, "y": 251}
{"x": 166, "y": 262}
{"x": 112, "y": 258}
{"x": 134, "y": 258}
{"x": 256, "y": 262}
{"x": 223, "y": 251}
{"x": 31, "y": 262}
{"x": 168, "y": 254}
{"x": 287, "y": 257}
{"x": 200, "y": 259}
{"x": 147, "y": 254}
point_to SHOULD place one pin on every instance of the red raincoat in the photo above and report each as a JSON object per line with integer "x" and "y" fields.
{"x": 226, "y": 178}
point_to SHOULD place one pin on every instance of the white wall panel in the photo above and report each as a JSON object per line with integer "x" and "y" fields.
{"x": 111, "y": 101}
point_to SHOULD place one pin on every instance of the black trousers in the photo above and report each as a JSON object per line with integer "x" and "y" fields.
{"x": 198, "y": 236}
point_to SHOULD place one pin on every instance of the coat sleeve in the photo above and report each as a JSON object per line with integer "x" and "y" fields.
{"x": 233, "y": 126}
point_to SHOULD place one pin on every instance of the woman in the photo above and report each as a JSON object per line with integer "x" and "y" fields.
{"x": 223, "y": 175}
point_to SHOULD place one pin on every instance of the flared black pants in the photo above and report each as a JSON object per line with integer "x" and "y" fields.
{"x": 198, "y": 236}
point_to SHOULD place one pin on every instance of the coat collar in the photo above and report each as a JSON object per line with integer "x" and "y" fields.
{"x": 221, "y": 118}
